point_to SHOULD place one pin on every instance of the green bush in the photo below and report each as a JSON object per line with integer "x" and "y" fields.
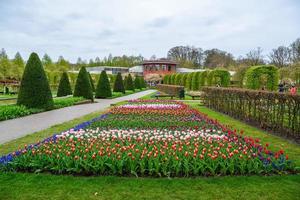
{"x": 64, "y": 102}
{"x": 183, "y": 79}
{"x": 15, "y": 111}
{"x": 166, "y": 79}
{"x": 188, "y": 83}
{"x": 129, "y": 83}
{"x": 173, "y": 76}
{"x": 195, "y": 81}
{"x": 103, "y": 87}
{"x": 219, "y": 77}
{"x": 35, "y": 90}
{"x": 83, "y": 86}
{"x": 64, "y": 87}
{"x": 259, "y": 76}
{"x": 137, "y": 83}
{"x": 203, "y": 78}
{"x": 143, "y": 82}
{"x": 119, "y": 85}
{"x": 178, "y": 78}
{"x": 92, "y": 82}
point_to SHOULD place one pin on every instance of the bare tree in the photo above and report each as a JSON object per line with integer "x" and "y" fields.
{"x": 295, "y": 51}
{"x": 218, "y": 58}
{"x": 187, "y": 56}
{"x": 255, "y": 57}
{"x": 281, "y": 56}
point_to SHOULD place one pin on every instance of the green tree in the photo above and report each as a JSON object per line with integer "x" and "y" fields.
{"x": 18, "y": 66}
{"x": 92, "y": 82}
{"x": 125, "y": 82}
{"x": 166, "y": 79}
{"x": 83, "y": 87}
{"x": 5, "y": 65}
{"x": 103, "y": 89}
{"x": 35, "y": 90}
{"x": 188, "y": 83}
{"x": 183, "y": 79}
{"x": 143, "y": 82}
{"x": 62, "y": 64}
{"x": 129, "y": 85}
{"x": 64, "y": 87}
{"x": 178, "y": 78}
{"x": 119, "y": 85}
{"x": 137, "y": 83}
{"x": 47, "y": 62}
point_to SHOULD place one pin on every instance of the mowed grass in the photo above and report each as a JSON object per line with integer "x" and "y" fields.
{"x": 276, "y": 142}
{"x": 46, "y": 186}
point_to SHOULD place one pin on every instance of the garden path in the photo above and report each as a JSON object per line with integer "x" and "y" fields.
{"x": 19, "y": 127}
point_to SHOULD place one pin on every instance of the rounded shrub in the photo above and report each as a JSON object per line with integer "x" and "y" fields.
{"x": 129, "y": 83}
{"x": 195, "y": 81}
{"x": 183, "y": 79}
{"x": 188, "y": 83}
{"x": 219, "y": 77}
{"x": 265, "y": 75}
{"x": 103, "y": 89}
{"x": 64, "y": 87}
{"x": 178, "y": 79}
{"x": 119, "y": 85}
{"x": 83, "y": 87}
{"x": 34, "y": 89}
{"x": 137, "y": 83}
{"x": 166, "y": 79}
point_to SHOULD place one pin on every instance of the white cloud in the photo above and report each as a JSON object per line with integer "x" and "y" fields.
{"x": 97, "y": 27}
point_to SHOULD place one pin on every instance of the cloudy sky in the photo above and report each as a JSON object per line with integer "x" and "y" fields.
{"x": 90, "y": 28}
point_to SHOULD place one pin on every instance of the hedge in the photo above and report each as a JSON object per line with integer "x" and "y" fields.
{"x": 166, "y": 79}
{"x": 183, "y": 79}
{"x": 35, "y": 90}
{"x": 254, "y": 75}
{"x": 218, "y": 77}
{"x": 178, "y": 78}
{"x": 170, "y": 89}
{"x": 195, "y": 81}
{"x": 277, "y": 112}
{"x": 188, "y": 83}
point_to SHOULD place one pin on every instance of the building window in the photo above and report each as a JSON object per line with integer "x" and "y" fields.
{"x": 169, "y": 68}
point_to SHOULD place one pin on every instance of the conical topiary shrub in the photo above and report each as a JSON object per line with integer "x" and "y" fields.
{"x": 119, "y": 85}
{"x": 129, "y": 85}
{"x": 137, "y": 83}
{"x": 64, "y": 87}
{"x": 83, "y": 86}
{"x": 35, "y": 90}
{"x": 143, "y": 82}
{"x": 92, "y": 82}
{"x": 103, "y": 89}
{"x": 125, "y": 82}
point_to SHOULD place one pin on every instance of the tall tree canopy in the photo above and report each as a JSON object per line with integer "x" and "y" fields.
{"x": 187, "y": 56}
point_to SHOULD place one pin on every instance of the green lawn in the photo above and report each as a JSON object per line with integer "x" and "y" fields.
{"x": 38, "y": 186}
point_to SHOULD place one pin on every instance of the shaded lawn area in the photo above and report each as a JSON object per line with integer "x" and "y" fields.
{"x": 47, "y": 186}
{"x": 127, "y": 92}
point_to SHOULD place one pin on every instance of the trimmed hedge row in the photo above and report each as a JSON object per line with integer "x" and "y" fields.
{"x": 196, "y": 80}
{"x": 170, "y": 89}
{"x": 277, "y": 112}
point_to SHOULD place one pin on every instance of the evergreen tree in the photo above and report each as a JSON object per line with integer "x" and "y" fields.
{"x": 188, "y": 82}
{"x": 103, "y": 89}
{"x": 137, "y": 83}
{"x": 5, "y": 65}
{"x": 183, "y": 79}
{"x": 143, "y": 82}
{"x": 35, "y": 90}
{"x": 83, "y": 87}
{"x": 125, "y": 82}
{"x": 64, "y": 87}
{"x": 18, "y": 66}
{"x": 119, "y": 85}
{"x": 92, "y": 82}
{"x": 130, "y": 85}
{"x": 178, "y": 79}
{"x": 166, "y": 79}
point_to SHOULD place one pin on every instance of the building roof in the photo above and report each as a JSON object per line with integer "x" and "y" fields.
{"x": 162, "y": 61}
{"x": 136, "y": 69}
{"x": 188, "y": 70}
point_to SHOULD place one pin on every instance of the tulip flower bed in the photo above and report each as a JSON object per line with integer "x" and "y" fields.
{"x": 150, "y": 138}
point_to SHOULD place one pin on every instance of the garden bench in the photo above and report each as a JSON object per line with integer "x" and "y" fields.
{"x": 164, "y": 95}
